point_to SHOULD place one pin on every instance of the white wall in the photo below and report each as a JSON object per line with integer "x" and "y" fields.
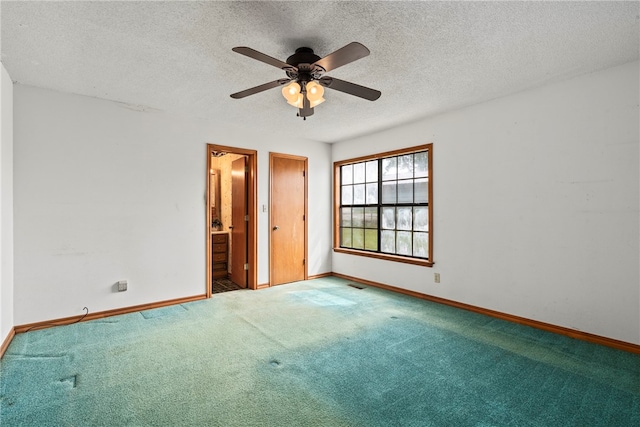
{"x": 104, "y": 192}
{"x": 6, "y": 204}
{"x": 536, "y": 204}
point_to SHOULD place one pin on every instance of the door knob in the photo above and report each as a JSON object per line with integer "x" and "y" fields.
{"x": 275, "y": 227}
{"x": 231, "y": 227}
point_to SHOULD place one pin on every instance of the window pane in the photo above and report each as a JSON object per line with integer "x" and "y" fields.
{"x": 405, "y": 219}
{"x": 358, "y": 173}
{"x": 388, "y": 241}
{"x": 421, "y": 219}
{"x": 372, "y": 171}
{"x": 405, "y": 166}
{"x": 346, "y": 217}
{"x": 403, "y": 243}
{"x": 421, "y": 189}
{"x": 405, "y": 191}
{"x": 346, "y": 238}
{"x": 385, "y": 206}
{"x": 421, "y": 245}
{"x": 358, "y": 217}
{"x": 389, "y": 192}
{"x": 372, "y": 193}
{"x": 347, "y": 174}
{"x": 389, "y": 166}
{"x": 389, "y": 218}
{"x": 347, "y": 194}
{"x": 358, "y": 238}
{"x": 371, "y": 240}
{"x": 371, "y": 218}
{"x": 420, "y": 167}
{"x": 358, "y": 194}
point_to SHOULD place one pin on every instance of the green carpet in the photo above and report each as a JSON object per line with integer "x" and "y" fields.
{"x": 313, "y": 353}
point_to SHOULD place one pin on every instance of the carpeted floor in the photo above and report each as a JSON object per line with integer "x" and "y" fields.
{"x": 313, "y": 353}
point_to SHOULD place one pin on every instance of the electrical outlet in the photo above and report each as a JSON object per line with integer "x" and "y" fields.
{"x": 436, "y": 277}
{"x": 122, "y": 285}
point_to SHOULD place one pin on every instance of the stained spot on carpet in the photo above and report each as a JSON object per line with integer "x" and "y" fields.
{"x": 4, "y": 401}
{"x": 171, "y": 310}
{"x": 394, "y": 317}
{"x": 275, "y": 363}
{"x": 353, "y": 285}
{"x": 71, "y": 381}
{"x": 321, "y": 298}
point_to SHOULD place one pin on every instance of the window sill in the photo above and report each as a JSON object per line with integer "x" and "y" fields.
{"x": 396, "y": 258}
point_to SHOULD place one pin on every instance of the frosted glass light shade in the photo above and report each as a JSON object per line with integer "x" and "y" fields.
{"x": 297, "y": 101}
{"x": 291, "y": 92}
{"x": 316, "y": 102}
{"x": 315, "y": 93}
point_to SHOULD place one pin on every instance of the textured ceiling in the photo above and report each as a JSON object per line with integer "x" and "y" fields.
{"x": 426, "y": 57}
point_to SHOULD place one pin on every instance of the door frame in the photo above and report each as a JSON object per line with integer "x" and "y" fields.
{"x": 252, "y": 209}
{"x": 272, "y": 155}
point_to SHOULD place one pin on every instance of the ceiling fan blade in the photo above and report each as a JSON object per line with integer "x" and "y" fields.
{"x": 343, "y": 56}
{"x": 252, "y": 53}
{"x": 260, "y": 88}
{"x": 350, "y": 88}
{"x": 306, "y": 109}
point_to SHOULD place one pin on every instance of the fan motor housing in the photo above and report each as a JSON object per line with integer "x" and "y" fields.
{"x": 303, "y": 55}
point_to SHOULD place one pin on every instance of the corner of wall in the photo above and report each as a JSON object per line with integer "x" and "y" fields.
{"x": 6, "y": 210}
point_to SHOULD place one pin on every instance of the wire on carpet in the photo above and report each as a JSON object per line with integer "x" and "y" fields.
{"x": 60, "y": 324}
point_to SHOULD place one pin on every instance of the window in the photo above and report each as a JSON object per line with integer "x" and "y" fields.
{"x": 383, "y": 205}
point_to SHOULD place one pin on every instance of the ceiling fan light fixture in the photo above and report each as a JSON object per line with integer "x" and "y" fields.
{"x": 291, "y": 92}
{"x": 305, "y": 83}
{"x": 297, "y": 101}
{"x": 315, "y": 93}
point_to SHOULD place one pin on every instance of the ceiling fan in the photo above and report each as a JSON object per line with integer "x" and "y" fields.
{"x": 305, "y": 82}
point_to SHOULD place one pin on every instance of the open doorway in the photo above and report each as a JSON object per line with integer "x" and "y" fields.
{"x": 231, "y": 219}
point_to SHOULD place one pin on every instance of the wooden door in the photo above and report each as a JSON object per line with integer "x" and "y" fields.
{"x": 213, "y": 152}
{"x": 239, "y": 221}
{"x": 288, "y": 200}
